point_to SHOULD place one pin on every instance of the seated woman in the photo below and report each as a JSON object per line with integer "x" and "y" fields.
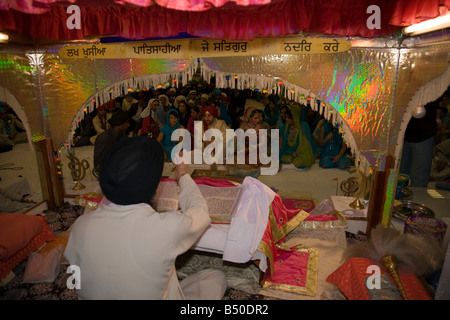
{"x": 185, "y": 112}
{"x": 333, "y": 149}
{"x": 165, "y": 135}
{"x": 303, "y": 110}
{"x": 316, "y": 135}
{"x": 282, "y": 117}
{"x": 195, "y": 116}
{"x": 149, "y": 128}
{"x": 272, "y": 113}
{"x": 262, "y": 122}
{"x": 250, "y": 120}
{"x": 294, "y": 147}
{"x": 150, "y": 124}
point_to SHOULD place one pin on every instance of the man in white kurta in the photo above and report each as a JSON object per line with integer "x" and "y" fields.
{"x": 129, "y": 251}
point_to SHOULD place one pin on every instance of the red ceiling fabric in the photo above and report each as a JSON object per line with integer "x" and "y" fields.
{"x": 200, "y": 5}
{"x": 408, "y": 12}
{"x": 272, "y": 20}
{"x": 230, "y": 21}
{"x": 42, "y": 6}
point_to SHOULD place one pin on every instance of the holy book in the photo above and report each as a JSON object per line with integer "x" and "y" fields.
{"x": 221, "y": 201}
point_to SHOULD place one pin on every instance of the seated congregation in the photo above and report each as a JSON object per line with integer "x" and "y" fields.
{"x": 305, "y": 135}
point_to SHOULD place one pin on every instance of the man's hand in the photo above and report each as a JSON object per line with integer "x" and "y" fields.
{"x": 181, "y": 168}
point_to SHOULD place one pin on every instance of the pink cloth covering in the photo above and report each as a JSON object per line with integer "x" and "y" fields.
{"x": 209, "y": 182}
{"x": 282, "y": 216}
{"x": 290, "y": 268}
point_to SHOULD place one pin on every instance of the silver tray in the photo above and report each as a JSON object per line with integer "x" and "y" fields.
{"x": 409, "y": 208}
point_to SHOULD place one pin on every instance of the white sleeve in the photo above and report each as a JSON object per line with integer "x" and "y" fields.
{"x": 194, "y": 214}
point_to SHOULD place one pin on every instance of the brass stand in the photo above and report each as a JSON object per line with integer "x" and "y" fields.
{"x": 78, "y": 186}
{"x": 78, "y": 170}
{"x": 357, "y": 204}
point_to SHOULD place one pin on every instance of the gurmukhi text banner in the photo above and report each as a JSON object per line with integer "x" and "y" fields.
{"x": 202, "y": 48}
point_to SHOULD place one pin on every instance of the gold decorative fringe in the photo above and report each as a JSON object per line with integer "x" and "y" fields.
{"x": 340, "y": 223}
{"x": 280, "y": 232}
{"x": 82, "y": 201}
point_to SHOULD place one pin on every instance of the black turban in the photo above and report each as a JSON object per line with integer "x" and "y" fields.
{"x": 118, "y": 118}
{"x": 131, "y": 170}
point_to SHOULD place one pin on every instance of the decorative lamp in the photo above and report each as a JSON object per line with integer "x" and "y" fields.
{"x": 419, "y": 112}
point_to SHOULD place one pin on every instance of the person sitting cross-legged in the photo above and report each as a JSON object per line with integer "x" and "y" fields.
{"x": 125, "y": 250}
{"x": 165, "y": 134}
{"x": 294, "y": 147}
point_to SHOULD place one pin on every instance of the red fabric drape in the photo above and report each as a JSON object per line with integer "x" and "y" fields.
{"x": 279, "y": 18}
{"x": 41, "y": 6}
{"x": 233, "y": 22}
{"x": 408, "y": 12}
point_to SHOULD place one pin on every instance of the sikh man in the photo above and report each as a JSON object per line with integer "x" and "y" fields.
{"x": 210, "y": 121}
{"x": 100, "y": 122}
{"x": 128, "y": 101}
{"x": 127, "y": 250}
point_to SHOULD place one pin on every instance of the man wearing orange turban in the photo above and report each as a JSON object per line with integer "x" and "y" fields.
{"x": 210, "y": 121}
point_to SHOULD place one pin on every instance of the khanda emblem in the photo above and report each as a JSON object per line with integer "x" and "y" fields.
{"x": 350, "y": 186}
{"x": 78, "y": 170}
{"x": 354, "y": 187}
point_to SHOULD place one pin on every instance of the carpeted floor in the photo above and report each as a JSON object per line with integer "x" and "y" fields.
{"x": 57, "y": 290}
{"x": 239, "y": 276}
{"x": 243, "y": 279}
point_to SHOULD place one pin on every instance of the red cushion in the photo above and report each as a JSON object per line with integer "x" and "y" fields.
{"x": 351, "y": 280}
{"x": 20, "y": 234}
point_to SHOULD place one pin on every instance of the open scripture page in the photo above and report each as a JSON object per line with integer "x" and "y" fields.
{"x": 221, "y": 201}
